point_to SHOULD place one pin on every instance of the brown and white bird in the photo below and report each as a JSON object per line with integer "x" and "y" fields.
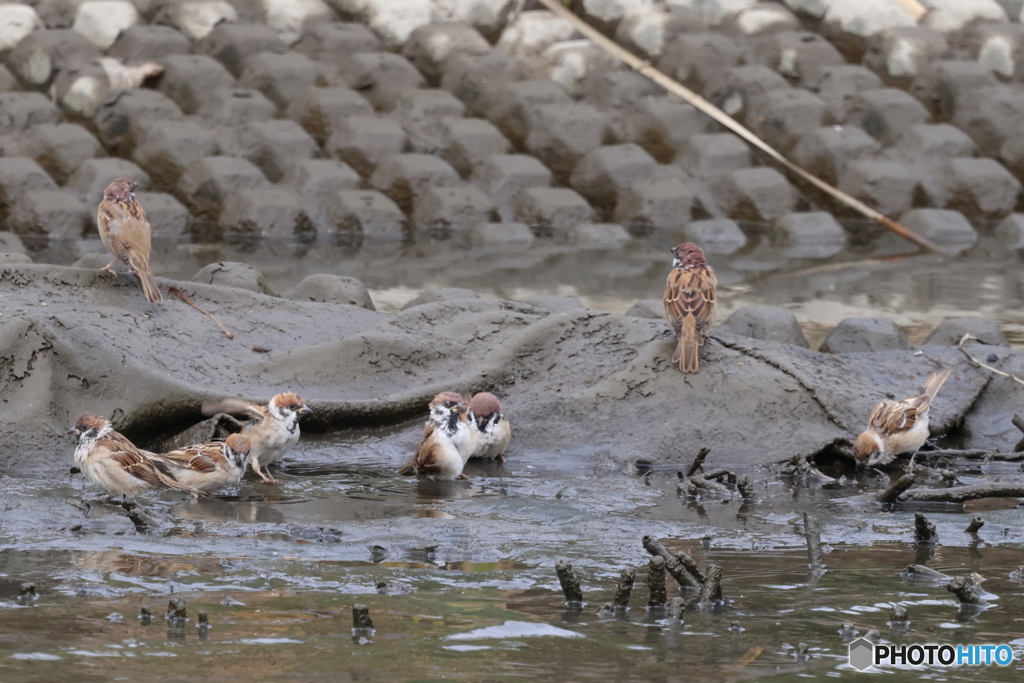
{"x": 690, "y": 303}
{"x": 273, "y": 429}
{"x": 208, "y": 466}
{"x": 449, "y": 439}
{"x": 492, "y": 424}
{"x": 113, "y": 463}
{"x": 897, "y": 427}
{"x": 125, "y": 232}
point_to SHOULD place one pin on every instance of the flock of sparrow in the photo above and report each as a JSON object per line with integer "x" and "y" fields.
{"x": 457, "y": 429}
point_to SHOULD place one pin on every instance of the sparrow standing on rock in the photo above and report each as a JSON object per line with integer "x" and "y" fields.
{"x": 208, "y": 466}
{"x": 449, "y": 439}
{"x": 113, "y": 463}
{"x": 493, "y": 426}
{"x": 690, "y": 303}
{"x": 900, "y": 427}
{"x": 272, "y": 431}
{"x": 126, "y": 234}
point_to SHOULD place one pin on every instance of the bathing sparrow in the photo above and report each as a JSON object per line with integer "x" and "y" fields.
{"x": 493, "y": 426}
{"x": 690, "y": 303}
{"x": 449, "y": 438}
{"x": 208, "y": 466}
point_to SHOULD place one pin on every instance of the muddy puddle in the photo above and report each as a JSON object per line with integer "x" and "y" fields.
{"x": 459, "y": 576}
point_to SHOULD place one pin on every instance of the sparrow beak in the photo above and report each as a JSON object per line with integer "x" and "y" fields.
{"x": 304, "y": 410}
{"x": 74, "y": 432}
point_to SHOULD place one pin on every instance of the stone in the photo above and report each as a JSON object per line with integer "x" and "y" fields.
{"x": 363, "y": 141}
{"x": 467, "y": 143}
{"x": 324, "y": 287}
{"x": 602, "y": 174}
{"x": 663, "y": 203}
{"x": 316, "y": 181}
{"x": 801, "y": 56}
{"x": 172, "y": 147}
{"x": 16, "y": 22}
{"x": 699, "y": 59}
{"x": 553, "y": 303}
{"x": 577, "y": 66}
{"x": 652, "y": 309}
{"x": 420, "y": 112}
{"x": 532, "y": 32}
{"x": 782, "y": 117}
{"x": 321, "y": 110}
{"x": 7, "y": 80}
{"x": 618, "y": 88}
{"x": 366, "y": 212}
{"x": 195, "y": 18}
{"x": 978, "y": 188}
{"x": 1010, "y": 231}
{"x": 92, "y": 176}
{"x": 12, "y": 244}
{"x": 58, "y": 214}
{"x": 233, "y": 44}
{"x": 229, "y": 274}
{"x": 952, "y": 15}
{"x": 20, "y": 110}
{"x": 102, "y": 21}
{"x": 999, "y": 47}
{"x": 826, "y": 151}
{"x": 500, "y": 234}
{"x": 552, "y": 209}
{"x": 887, "y": 186}
{"x": 168, "y": 218}
{"x": 335, "y": 41}
{"x": 885, "y": 114}
{"x": 452, "y": 209}
{"x": 141, "y": 43}
{"x": 897, "y": 55}
{"x": 754, "y": 194}
{"x": 11, "y": 259}
{"x": 561, "y": 134}
{"x": 404, "y": 177}
{"x": 647, "y": 29}
{"x": 430, "y": 46}
{"x": 503, "y": 176}
{"x": 990, "y": 116}
{"x": 600, "y": 235}
{"x": 739, "y": 85}
{"x": 716, "y": 236}
{"x": 712, "y": 154}
{"x": 281, "y": 77}
{"x": 812, "y": 227}
{"x": 469, "y": 77}
{"x": 942, "y": 85}
{"x": 59, "y": 148}
{"x": 760, "y": 19}
{"x": 849, "y": 25}
{"x": 861, "y": 335}
{"x": 229, "y": 106}
{"x": 769, "y": 323}
{"x": 205, "y": 186}
{"x": 936, "y": 140}
{"x": 39, "y": 55}
{"x": 663, "y": 125}
{"x": 274, "y": 146}
{"x": 380, "y": 77}
{"x": 395, "y": 20}
{"x": 947, "y": 228}
{"x": 288, "y": 18}
{"x": 264, "y": 213}
{"x": 951, "y": 330}
{"x": 486, "y": 16}
{"x": 509, "y": 105}
{"x": 839, "y": 84}
{"x": 188, "y": 78}
{"x": 122, "y": 117}
{"x": 436, "y": 295}
{"x": 18, "y": 176}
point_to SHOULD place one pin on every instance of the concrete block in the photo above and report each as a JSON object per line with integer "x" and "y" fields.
{"x": 733, "y": 92}
{"x": 503, "y": 176}
{"x": 978, "y": 188}
{"x": 20, "y": 110}
{"x": 335, "y": 41}
{"x": 864, "y": 335}
{"x": 168, "y": 218}
{"x": 760, "y": 19}
{"x": 713, "y": 154}
{"x": 951, "y": 330}
{"x": 664, "y": 203}
{"x": 897, "y": 55}
{"x": 7, "y": 80}
{"x": 366, "y": 212}
{"x": 395, "y": 20}
{"x": 1010, "y": 231}
{"x": 698, "y": 60}
{"x": 826, "y": 151}
{"x": 577, "y": 66}
{"x": 327, "y": 288}
{"x": 312, "y": 177}
{"x": 466, "y": 143}
{"x": 434, "y": 295}
{"x": 552, "y": 209}
{"x": 990, "y": 116}
{"x": 489, "y": 17}
{"x": 647, "y": 29}
{"x": 59, "y": 148}
{"x": 102, "y": 21}
{"x": 120, "y": 119}
{"x": 811, "y": 227}
{"x": 274, "y": 146}
{"x": 18, "y": 176}
{"x": 404, "y": 177}
{"x": 39, "y": 55}
{"x": 265, "y": 213}
{"x": 233, "y": 44}
{"x": 801, "y": 56}
{"x": 188, "y": 79}
{"x": 770, "y": 323}
{"x": 941, "y": 86}
{"x": 998, "y": 47}
{"x": 380, "y": 77}
{"x": 953, "y": 15}
{"x": 509, "y": 106}
{"x": 500, "y": 234}
{"x": 452, "y": 209}
{"x": 532, "y": 32}
{"x": 141, "y": 43}
{"x": 782, "y": 117}
{"x": 206, "y": 185}
{"x": 288, "y": 18}
{"x": 195, "y": 18}
{"x": 561, "y": 134}
{"x": 716, "y": 236}
{"x": 939, "y": 140}
{"x": 662, "y": 125}
{"x": 849, "y": 25}
{"x": 320, "y": 110}
{"x": 16, "y": 22}
{"x": 58, "y": 214}
{"x": 12, "y": 244}
{"x": 754, "y": 194}
{"x": 420, "y": 112}
{"x": 468, "y": 77}
{"x": 172, "y": 147}
{"x": 885, "y": 114}
{"x": 839, "y": 84}
{"x": 946, "y": 228}
{"x": 598, "y": 235}
{"x": 430, "y": 46}
{"x": 280, "y": 77}
{"x": 603, "y": 173}
{"x": 92, "y": 176}
{"x": 888, "y": 186}
{"x": 363, "y": 141}
{"x": 228, "y": 106}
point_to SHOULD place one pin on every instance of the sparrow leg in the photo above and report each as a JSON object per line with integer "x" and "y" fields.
{"x": 910, "y": 465}
{"x": 462, "y": 476}
{"x": 500, "y": 458}
{"x": 110, "y": 268}
{"x": 267, "y": 479}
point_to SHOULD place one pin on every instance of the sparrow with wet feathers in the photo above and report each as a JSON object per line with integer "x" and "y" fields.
{"x": 207, "y": 466}
{"x": 897, "y": 427}
{"x": 492, "y": 424}
{"x": 450, "y": 437}
{"x": 272, "y": 430}
{"x": 125, "y": 232}
{"x": 690, "y": 303}
{"x": 113, "y": 463}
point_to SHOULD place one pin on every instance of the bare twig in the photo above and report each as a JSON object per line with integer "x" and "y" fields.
{"x": 188, "y": 300}
{"x": 964, "y": 590}
{"x": 698, "y": 462}
{"x": 959, "y": 494}
{"x": 361, "y": 617}
{"x": 812, "y": 533}
{"x": 924, "y": 531}
{"x": 656, "y": 582}
{"x": 570, "y": 584}
{"x": 914, "y": 8}
{"x": 976, "y": 523}
{"x": 896, "y": 488}
{"x": 624, "y": 588}
{"x": 644, "y": 67}
{"x": 711, "y": 591}
{"x": 966, "y": 338}
{"x": 675, "y": 564}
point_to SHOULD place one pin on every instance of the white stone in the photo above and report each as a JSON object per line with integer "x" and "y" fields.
{"x": 712, "y": 12}
{"x": 101, "y": 21}
{"x": 814, "y": 8}
{"x": 394, "y": 20}
{"x": 533, "y": 32}
{"x": 569, "y": 61}
{"x": 84, "y": 95}
{"x": 197, "y": 18}
{"x": 486, "y": 16}
{"x": 952, "y": 15}
{"x": 904, "y": 58}
{"x": 996, "y": 54}
{"x": 611, "y": 11}
{"x": 645, "y": 27}
{"x": 16, "y": 22}
{"x": 757, "y": 18}
{"x": 865, "y": 18}
{"x": 288, "y": 17}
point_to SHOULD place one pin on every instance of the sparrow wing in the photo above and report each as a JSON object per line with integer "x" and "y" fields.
{"x": 892, "y": 417}
{"x": 425, "y": 460}
{"x": 691, "y": 294}
{"x": 132, "y": 461}
{"x": 234, "y": 406}
{"x": 200, "y": 458}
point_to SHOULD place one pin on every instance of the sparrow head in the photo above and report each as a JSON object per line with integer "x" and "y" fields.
{"x": 91, "y": 427}
{"x": 240, "y": 445}
{"x": 446, "y": 406}
{"x": 866, "y": 449}
{"x": 485, "y": 407}
{"x": 688, "y": 255}
{"x": 121, "y": 190}
{"x": 283, "y": 406}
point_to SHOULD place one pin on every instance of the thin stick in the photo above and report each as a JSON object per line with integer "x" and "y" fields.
{"x": 898, "y": 487}
{"x": 698, "y": 462}
{"x": 924, "y": 531}
{"x": 185, "y": 297}
{"x": 912, "y": 7}
{"x": 570, "y": 584}
{"x": 812, "y": 533}
{"x": 976, "y": 523}
{"x": 678, "y": 567}
{"x": 656, "y": 582}
{"x": 965, "y": 592}
{"x": 967, "y": 337}
{"x": 644, "y": 67}
{"x": 960, "y": 494}
{"x": 624, "y": 588}
{"x": 711, "y": 591}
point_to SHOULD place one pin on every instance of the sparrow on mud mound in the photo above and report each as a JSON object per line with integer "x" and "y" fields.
{"x": 449, "y": 439}
{"x": 208, "y": 466}
{"x": 895, "y": 427}
{"x": 690, "y": 303}
{"x": 272, "y": 430}
{"x": 113, "y": 463}
{"x": 493, "y": 426}
{"x": 126, "y": 234}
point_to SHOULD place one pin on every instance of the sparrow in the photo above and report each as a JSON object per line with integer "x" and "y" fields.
{"x": 126, "y": 234}
{"x": 272, "y": 430}
{"x": 112, "y": 462}
{"x": 690, "y": 303}
{"x": 450, "y": 437}
{"x": 208, "y": 466}
{"x": 493, "y": 426}
{"x": 895, "y": 427}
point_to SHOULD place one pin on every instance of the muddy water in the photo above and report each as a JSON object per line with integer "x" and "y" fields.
{"x": 470, "y": 590}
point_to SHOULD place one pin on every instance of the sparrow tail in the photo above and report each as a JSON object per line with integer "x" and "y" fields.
{"x": 933, "y": 384}
{"x": 232, "y": 406}
{"x": 409, "y": 469}
{"x": 686, "y": 355}
{"x": 171, "y": 484}
{"x": 149, "y": 286}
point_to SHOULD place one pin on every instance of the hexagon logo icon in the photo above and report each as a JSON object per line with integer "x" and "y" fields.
{"x": 862, "y": 654}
